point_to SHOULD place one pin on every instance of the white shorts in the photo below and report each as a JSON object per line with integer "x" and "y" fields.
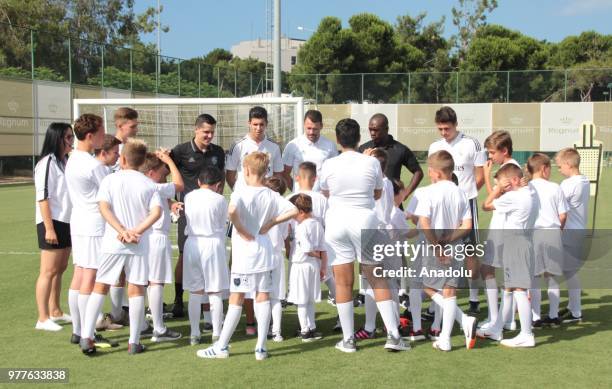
{"x": 343, "y": 232}
{"x": 493, "y": 249}
{"x": 518, "y": 262}
{"x": 205, "y": 265}
{"x": 251, "y": 283}
{"x": 86, "y": 251}
{"x": 136, "y": 269}
{"x": 304, "y": 283}
{"x": 279, "y": 282}
{"x": 548, "y": 250}
{"x": 159, "y": 254}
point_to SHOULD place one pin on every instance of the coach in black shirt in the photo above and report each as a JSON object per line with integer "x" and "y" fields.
{"x": 190, "y": 157}
{"x": 398, "y": 154}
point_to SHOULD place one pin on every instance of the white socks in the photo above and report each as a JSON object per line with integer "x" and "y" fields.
{"x": 262, "y": 315}
{"x": 277, "y": 316}
{"x": 136, "y": 305}
{"x": 73, "y": 304}
{"x": 302, "y": 313}
{"x": 449, "y": 307}
{"x": 229, "y": 326}
{"x": 94, "y": 307}
{"x": 194, "y": 311}
{"x": 116, "y": 296}
{"x": 216, "y": 312}
{"x": 310, "y": 309}
{"x": 388, "y": 313}
{"x": 492, "y": 296}
{"x": 416, "y": 301}
{"x": 574, "y": 291}
{"x": 535, "y": 295}
{"x": 156, "y": 304}
{"x": 370, "y": 312}
{"x": 82, "y": 303}
{"x": 522, "y": 303}
{"x": 345, "y": 313}
{"x": 331, "y": 285}
{"x": 473, "y": 284}
{"x": 437, "y": 308}
{"x": 506, "y": 308}
{"x": 554, "y": 294}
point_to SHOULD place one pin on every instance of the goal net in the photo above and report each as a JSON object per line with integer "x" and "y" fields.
{"x": 166, "y": 122}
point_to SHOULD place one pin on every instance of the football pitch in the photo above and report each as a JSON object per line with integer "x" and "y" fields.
{"x": 575, "y": 355}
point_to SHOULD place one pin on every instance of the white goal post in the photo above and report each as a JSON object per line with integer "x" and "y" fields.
{"x": 165, "y": 122}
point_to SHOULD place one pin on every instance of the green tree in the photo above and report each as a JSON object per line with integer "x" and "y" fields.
{"x": 468, "y": 17}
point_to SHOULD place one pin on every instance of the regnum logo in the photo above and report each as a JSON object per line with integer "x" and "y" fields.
{"x": 53, "y": 108}
{"x": 566, "y": 119}
{"x": 467, "y": 121}
{"x": 420, "y": 121}
{"x": 13, "y": 106}
{"x": 516, "y": 120}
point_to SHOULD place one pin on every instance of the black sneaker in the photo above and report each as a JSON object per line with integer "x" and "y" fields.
{"x": 427, "y": 316}
{"x": 147, "y": 331}
{"x": 537, "y": 324}
{"x": 283, "y": 303}
{"x": 404, "y": 301}
{"x": 315, "y": 334}
{"x": 474, "y": 308}
{"x": 134, "y": 348}
{"x": 75, "y": 339}
{"x": 102, "y": 342}
{"x": 177, "y": 310}
{"x": 568, "y": 319}
{"x": 207, "y": 327}
{"x": 551, "y": 322}
{"x": 166, "y": 336}
{"x": 307, "y": 336}
{"x": 88, "y": 346}
{"x": 337, "y": 326}
{"x": 359, "y": 300}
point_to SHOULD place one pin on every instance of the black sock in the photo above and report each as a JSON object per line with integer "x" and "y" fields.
{"x": 178, "y": 293}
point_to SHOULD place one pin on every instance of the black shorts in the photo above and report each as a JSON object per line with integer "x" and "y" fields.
{"x": 62, "y": 230}
{"x": 473, "y": 237}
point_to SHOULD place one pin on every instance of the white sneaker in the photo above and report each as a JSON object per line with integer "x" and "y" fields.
{"x": 261, "y": 354}
{"x": 468, "y": 323}
{"x": 277, "y": 338}
{"x": 48, "y": 325}
{"x": 489, "y": 334}
{"x": 212, "y": 353}
{"x": 510, "y": 326}
{"x": 484, "y": 325}
{"x": 65, "y": 318}
{"x": 441, "y": 345}
{"x": 521, "y": 340}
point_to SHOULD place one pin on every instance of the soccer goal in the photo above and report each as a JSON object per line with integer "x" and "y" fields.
{"x": 165, "y": 122}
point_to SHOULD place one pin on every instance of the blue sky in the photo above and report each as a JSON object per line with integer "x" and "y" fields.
{"x": 198, "y": 26}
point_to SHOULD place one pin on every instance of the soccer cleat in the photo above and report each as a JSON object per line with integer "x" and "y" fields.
{"x": 277, "y": 338}
{"x": 489, "y": 334}
{"x": 396, "y": 344}
{"x": 64, "y": 318}
{"x": 123, "y": 320}
{"x": 177, "y": 310}
{"x": 347, "y": 346}
{"x": 337, "y": 326}
{"x": 571, "y": 319}
{"x": 427, "y": 316}
{"x": 521, "y": 340}
{"x": 404, "y": 301}
{"x": 147, "y": 331}
{"x": 134, "y": 348}
{"x": 195, "y": 340}
{"x": 510, "y": 326}
{"x": 261, "y": 354}
{"x": 474, "y": 308}
{"x": 433, "y": 334}
{"x": 207, "y": 327}
{"x": 551, "y": 322}
{"x": 212, "y": 353}
{"x": 102, "y": 342}
{"x": 485, "y": 324}
{"x": 166, "y": 336}
{"x": 365, "y": 334}
{"x": 441, "y": 346}
{"x": 537, "y": 325}
{"x": 283, "y": 303}
{"x": 75, "y": 339}
{"x": 47, "y": 325}
{"x": 359, "y": 300}
{"x": 331, "y": 301}
{"x": 107, "y": 323}
{"x": 307, "y": 337}
{"x": 416, "y": 336}
{"x": 88, "y": 347}
{"x": 251, "y": 329}
{"x": 469, "y": 330}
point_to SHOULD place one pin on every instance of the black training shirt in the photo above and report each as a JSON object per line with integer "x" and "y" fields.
{"x": 398, "y": 155}
{"x": 190, "y": 160}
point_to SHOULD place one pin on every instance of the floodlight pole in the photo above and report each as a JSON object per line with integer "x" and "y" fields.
{"x": 276, "y": 82}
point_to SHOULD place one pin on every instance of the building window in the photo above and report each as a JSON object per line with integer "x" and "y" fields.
{"x": 293, "y": 60}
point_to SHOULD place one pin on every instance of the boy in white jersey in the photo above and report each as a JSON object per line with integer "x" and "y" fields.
{"x": 253, "y": 210}
{"x": 576, "y": 189}
{"x": 204, "y": 263}
{"x": 130, "y": 204}
{"x": 547, "y": 244}
{"x": 469, "y": 159}
{"x": 308, "y": 266}
{"x": 278, "y": 234}
{"x": 108, "y": 152}
{"x": 444, "y": 218}
{"x": 157, "y": 166}
{"x": 499, "y": 148}
{"x": 518, "y": 204}
{"x": 84, "y": 173}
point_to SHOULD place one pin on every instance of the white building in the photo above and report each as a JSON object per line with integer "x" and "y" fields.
{"x": 262, "y": 50}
